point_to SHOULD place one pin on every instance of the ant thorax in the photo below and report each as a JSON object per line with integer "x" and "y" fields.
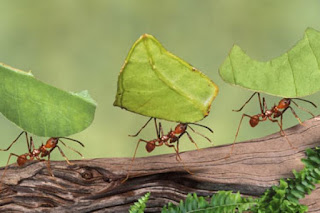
{"x": 165, "y": 137}
{"x": 36, "y": 152}
{"x": 276, "y": 112}
{"x": 268, "y": 113}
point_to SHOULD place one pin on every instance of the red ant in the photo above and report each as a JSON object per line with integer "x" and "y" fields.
{"x": 172, "y": 137}
{"x": 43, "y": 151}
{"x": 275, "y": 112}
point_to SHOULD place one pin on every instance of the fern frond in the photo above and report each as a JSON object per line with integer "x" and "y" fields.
{"x": 278, "y": 199}
{"x": 286, "y": 196}
{"x": 223, "y": 201}
{"x": 138, "y": 207}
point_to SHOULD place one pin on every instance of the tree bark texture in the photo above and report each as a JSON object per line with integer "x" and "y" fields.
{"x": 95, "y": 185}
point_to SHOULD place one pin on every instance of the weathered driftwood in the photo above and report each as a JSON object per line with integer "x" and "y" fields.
{"x": 95, "y": 185}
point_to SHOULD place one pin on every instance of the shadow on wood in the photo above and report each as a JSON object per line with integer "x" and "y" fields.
{"x": 95, "y": 185}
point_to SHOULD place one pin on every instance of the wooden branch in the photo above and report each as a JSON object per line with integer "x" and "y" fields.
{"x": 95, "y": 185}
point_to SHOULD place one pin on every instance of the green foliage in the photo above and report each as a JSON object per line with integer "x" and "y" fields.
{"x": 282, "y": 198}
{"x": 296, "y": 73}
{"x": 42, "y": 109}
{"x": 156, "y": 83}
{"x": 276, "y": 200}
{"x": 138, "y": 207}
{"x": 223, "y": 201}
{"x": 286, "y": 196}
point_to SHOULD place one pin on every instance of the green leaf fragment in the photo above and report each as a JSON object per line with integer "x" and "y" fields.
{"x": 42, "y": 109}
{"x": 156, "y": 83}
{"x": 296, "y": 73}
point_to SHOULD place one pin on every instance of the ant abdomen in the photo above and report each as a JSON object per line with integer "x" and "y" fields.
{"x": 22, "y": 159}
{"x": 150, "y": 146}
{"x": 254, "y": 120}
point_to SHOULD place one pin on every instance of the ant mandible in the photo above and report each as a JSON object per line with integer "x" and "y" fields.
{"x": 275, "y": 112}
{"x": 167, "y": 139}
{"x": 43, "y": 151}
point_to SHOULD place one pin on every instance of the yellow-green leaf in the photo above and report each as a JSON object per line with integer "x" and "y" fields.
{"x": 155, "y": 83}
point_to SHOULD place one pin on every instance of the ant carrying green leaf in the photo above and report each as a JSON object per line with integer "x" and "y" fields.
{"x": 271, "y": 114}
{"x": 43, "y": 151}
{"x": 173, "y": 136}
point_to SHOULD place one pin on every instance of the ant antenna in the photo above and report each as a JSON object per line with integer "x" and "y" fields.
{"x": 305, "y": 101}
{"x": 199, "y": 134}
{"x": 303, "y": 108}
{"x": 71, "y": 139}
{"x": 201, "y": 126}
{"x": 76, "y": 151}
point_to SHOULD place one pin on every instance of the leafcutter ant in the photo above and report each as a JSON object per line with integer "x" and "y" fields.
{"x": 43, "y": 151}
{"x": 168, "y": 139}
{"x": 271, "y": 114}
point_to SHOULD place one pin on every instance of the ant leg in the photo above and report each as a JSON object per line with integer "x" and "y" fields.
{"x": 235, "y": 138}
{"x": 135, "y": 135}
{"x": 178, "y": 157}
{"x": 156, "y": 126}
{"x": 160, "y": 130}
{"x": 49, "y": 166}
{"x": 295, "y": 115}
{"x": 5, "y": 169}
{"x": 31, "y": 144}
{"x": 248, "y": 102}
{"x": 282, "y": 133}
{"x": 135, "y": 151}
{"x": 200, "y": 134}
{"x": 265, "y": 108}
{"x": 304, "y": 108}
{"x": 16, "y": 141}
{"x": 134, "y": 156}
{"x": 63, "y": 155}
{"x": 76, "y": 151}
{"x": 281, "y": 124}
{"x": 191, "y": 139}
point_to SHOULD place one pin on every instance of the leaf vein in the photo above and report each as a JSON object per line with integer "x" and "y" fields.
{"x": 291, "y": 68}
{"x": 168, "y": 83}
{"x": 313, "y": 51}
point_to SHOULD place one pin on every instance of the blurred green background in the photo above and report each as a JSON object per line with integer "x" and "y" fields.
{"x": 77, "y": 45}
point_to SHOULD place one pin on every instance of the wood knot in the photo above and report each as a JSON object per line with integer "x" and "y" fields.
{"x": 87, "y": 175}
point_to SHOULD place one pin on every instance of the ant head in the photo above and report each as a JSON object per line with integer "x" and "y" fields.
{"x": 51, "y": 142}
{"x": 150, "y": 146}
{"x": 284, "y": 103}
{"x": 180, "y": 128}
